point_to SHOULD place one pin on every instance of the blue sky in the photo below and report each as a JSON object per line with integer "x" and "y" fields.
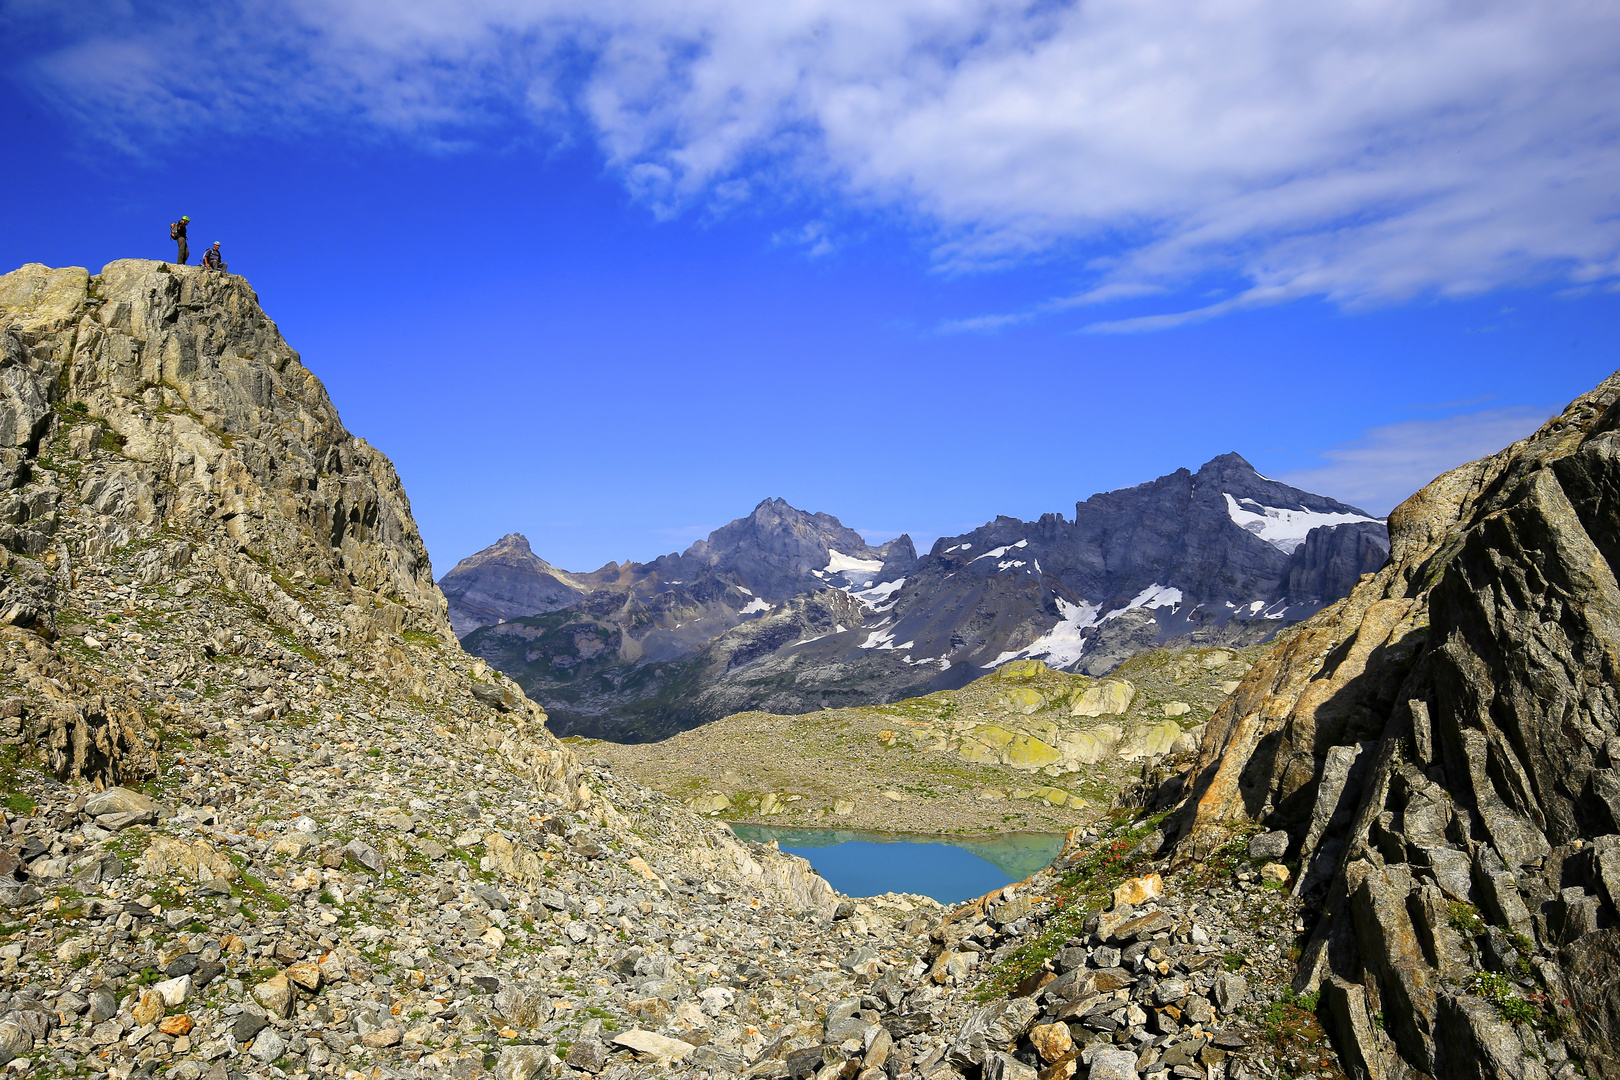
{"x": 608, "y": 274}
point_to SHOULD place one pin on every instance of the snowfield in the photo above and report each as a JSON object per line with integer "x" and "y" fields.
{"x": 1283, "y": 529}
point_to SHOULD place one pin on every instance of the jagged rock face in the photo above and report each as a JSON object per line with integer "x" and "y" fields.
{"x": 218, "y": 421}
{"x": 1220, "y": 557}
{"x": 156, "y": 409}
{"x": 779, "y": 552}
{"x": 750, "y": 565}
{"x": 1447, "y": 738}
{"x": 1331, "y": 561}
{"x": 646, "y": 649}
{"x": 506, "y": 580}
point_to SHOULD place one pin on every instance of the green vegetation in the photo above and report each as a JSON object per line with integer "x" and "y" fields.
{"x": 1465, "y": 918}
{"x": 1083, "y": 890}
{"x": 1498, "y": 990}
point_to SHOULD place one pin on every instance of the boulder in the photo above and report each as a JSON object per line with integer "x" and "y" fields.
{"x": 1149, "y": 740}
{"x": 364, "y": 855}
{"x": 997, "y": 1026}
{"x": 1109, "y": 1063}
{"x": 1110, "y": 697}
{"x": 1051, "y": 1041}
{"x": 1021, "y": 699}
{"x": 659, "y": 1049}
{"x": 1231, "y": 991}
{"x": 525, "y": 1063}
{"x": 198, "y": 862}
{"x": 1138, "y": 890}
{"x": 268, "y": 1045}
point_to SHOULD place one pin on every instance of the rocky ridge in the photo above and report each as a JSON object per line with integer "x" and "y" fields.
{"x": 787, "y": 612}
{"x": 1440, "y": 749}
{"x": 1425, "y": 769}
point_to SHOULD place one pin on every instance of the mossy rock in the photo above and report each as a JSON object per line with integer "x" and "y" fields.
{"x": 1091, "y": 746}
{"x": 1110, "y": 697}
{"x": 1028, "y": 752}
{"x": 1022, "y": 669}
{"x": 1150, "y": 740}
{"x": 1021, "y": 699}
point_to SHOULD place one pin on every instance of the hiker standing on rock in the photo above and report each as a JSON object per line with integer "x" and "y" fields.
{"x": 213, "y": 259}
{"x": 177, "y": 233}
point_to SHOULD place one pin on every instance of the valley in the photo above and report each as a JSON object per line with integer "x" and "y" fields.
{"x": 1024, "y": 749}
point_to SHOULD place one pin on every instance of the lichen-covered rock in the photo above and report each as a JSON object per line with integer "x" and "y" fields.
{"x": 1108, "y": 697}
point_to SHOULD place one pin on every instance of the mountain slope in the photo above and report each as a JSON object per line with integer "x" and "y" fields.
{"x": 787, "y": 612}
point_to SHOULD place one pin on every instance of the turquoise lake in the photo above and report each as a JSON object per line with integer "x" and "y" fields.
{"x": 949, "y": 869}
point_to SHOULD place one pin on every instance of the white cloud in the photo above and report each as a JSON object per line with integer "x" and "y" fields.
{"x": 1386, "y": 464}
{"x": 1358, "y": 150}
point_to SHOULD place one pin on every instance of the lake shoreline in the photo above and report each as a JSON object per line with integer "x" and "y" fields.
{"x": 949, "y": 869}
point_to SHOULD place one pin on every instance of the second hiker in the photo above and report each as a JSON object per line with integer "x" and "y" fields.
{"x": 177, "y": 233}
{"x": 213, "y": 259}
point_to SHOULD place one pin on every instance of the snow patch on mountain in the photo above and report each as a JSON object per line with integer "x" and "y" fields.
{"x": 1065, "y": 643}
{"x": 1062, "y": 645}
{"x": 756, "y": 604}
{"x": 1154, "y": 596}
{"x": 839, "y": 563}
{"x": 1283, "y": 529}
{"x": 996, "y": 553}
{"x": 884, "y": 639}
{"x": 874, "y": 595}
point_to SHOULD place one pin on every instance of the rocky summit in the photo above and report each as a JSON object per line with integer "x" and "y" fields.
{"x": 789, "y": 612}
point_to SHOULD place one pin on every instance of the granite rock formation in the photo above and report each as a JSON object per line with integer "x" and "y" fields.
{"x": 1440, "y": 750}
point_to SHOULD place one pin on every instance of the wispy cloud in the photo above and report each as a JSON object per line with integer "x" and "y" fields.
{"x": 1386, "y": 464}
{"x": 1363, "y": 152}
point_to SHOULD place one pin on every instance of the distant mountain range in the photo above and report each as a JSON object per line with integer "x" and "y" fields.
{"x": 787, "y": 611}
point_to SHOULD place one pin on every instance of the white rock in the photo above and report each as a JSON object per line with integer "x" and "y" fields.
{"x": 174, "y": 991}
{"x": 663, "y": 1051}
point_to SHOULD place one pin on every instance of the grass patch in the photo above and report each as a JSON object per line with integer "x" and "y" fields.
{"x": 1084, "y": 889}
{"x": 1465, "y": 918}
{"x": 1498, "y": 990}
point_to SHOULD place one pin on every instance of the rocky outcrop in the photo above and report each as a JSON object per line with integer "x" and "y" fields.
{"x": 1440, "y": 748}
{"x": 1332, "y": 560}
{"x": 217, "y": 426}
{"x": 152, "y": 419}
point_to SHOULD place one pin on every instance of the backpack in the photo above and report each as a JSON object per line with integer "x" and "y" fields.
{"x": 174, "y": 230}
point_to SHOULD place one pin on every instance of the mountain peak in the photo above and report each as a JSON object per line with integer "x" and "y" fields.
{"x": 1227, "y": 462}
{"x": 503, "y": 581}
{"x": 513, "y": 542}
